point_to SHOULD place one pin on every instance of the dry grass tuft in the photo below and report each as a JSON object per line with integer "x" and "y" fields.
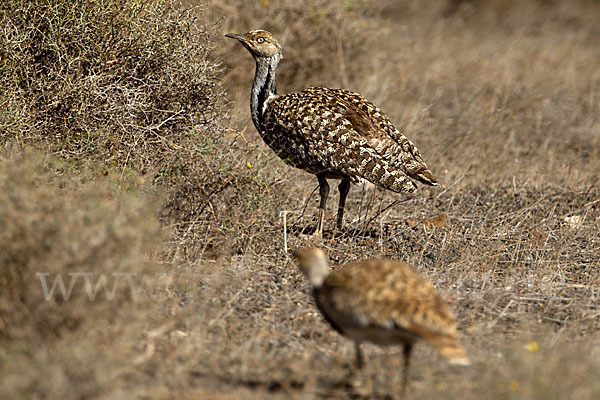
{"x": 53, "y": 225}
{"x": 129, "y": 85}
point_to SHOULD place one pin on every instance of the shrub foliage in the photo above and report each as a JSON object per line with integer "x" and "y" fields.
{"x": 129, "y": 83}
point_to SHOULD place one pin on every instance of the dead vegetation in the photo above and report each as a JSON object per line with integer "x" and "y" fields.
{"x": 123, "y": 85}
{"x": 55, "y": 227}
{"x": 502, "y": 97}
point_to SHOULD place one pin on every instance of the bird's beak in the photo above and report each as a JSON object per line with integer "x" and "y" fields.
{"x": 237, "y": 36}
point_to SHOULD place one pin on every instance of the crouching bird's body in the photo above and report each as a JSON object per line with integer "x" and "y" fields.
{"x": 332, "y": 133}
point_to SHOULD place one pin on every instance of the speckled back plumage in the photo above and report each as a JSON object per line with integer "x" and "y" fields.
{"x": 385, "y": 294}
{"x": 342, "y": 134}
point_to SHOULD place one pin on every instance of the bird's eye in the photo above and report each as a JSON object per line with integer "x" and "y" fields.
{"x": 260, "y": 40}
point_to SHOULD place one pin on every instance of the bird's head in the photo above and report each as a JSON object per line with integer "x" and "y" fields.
{"x": 261, "y": 44}
{"x": 313, "y": 262}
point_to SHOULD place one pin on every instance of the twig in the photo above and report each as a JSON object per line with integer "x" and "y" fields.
{"x": 285, "y": 246}
{"x": 501, "y": 314}
{"x": 341, "y": 60}
{"x": 228, "y": 309}
{"x": 366, "y": 224}
{"x": 395, "y": 202}
{"x": 449, "y": 187}
{"x": 305, "y": 205}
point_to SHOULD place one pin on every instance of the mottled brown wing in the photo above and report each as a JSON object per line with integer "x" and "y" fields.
{"x": 370, "y": 122}
{"x": 378, "y": 125}
{"x": 327, "y": 131}
{"x": 388, "y": 294}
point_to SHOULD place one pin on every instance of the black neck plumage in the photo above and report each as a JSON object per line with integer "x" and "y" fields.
{"x": 263, "y": 88}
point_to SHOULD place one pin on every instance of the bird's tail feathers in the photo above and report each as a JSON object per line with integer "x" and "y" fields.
{"x": 453, "y": 352}
{"x": 380, "y": 173}
{"x": 419, "y": 171}
{"x": 425, "y": 176}
{"x": 396, "y": 181}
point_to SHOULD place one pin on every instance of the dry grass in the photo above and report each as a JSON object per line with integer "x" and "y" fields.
{"x": 54, "y": 225}
{"x": 502, "y": 100}
{"x": 122, "y": 84}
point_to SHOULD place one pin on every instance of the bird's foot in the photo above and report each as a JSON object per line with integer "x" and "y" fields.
{"x": 318, "y": 233}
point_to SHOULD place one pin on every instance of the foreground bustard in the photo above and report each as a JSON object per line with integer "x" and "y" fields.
{"x": 382, "y": 301}
{"x": 332, "y": 133}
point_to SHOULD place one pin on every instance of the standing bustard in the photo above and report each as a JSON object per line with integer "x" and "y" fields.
{"x": 382, "y": 301}
{"x": 332, "y": 133}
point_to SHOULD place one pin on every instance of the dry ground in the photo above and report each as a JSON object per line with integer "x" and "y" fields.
{"x": 503, "y": 100}
{"x": 504, "y": 104}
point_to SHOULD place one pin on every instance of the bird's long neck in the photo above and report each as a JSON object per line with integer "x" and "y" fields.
{"x": 263, "y": 88}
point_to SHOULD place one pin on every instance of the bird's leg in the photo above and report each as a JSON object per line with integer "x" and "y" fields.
{"x": 344, "y": 188}
{"x": 360, "y": 362}
{"x": 407, "y": 352}
{"x": 324, "y": 192}
{"x": 353, "y": 377}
